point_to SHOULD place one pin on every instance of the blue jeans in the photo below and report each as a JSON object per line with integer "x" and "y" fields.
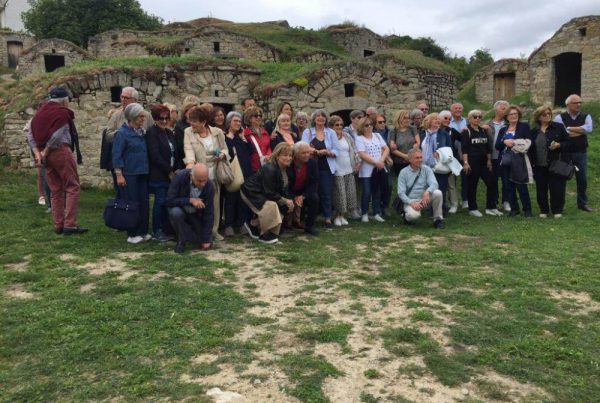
{"x": 580, "y": 161}
{"x": 371, "y": 188}
{"x": 326, "y": 179}
{"x": 159, "y": 210}
{"x": 137, "y": 190}
{"x": 513, "y": 188}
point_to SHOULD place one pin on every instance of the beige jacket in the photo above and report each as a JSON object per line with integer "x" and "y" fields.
{"x": 194, "y": 149}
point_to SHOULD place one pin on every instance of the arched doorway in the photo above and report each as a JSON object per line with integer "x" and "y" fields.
{"x": 567, "y": 76}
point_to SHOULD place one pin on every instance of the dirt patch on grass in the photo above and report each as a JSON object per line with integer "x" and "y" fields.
{"x": 67, "y": 257}
{"x": 17, "y": 291}
{"x": 19, "y": 267}
{"x": 107, "y": 265}
{"x": 581, "y": 301}
{"x": 87, "y": 287}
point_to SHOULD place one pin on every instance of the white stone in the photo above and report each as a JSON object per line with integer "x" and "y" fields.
{"x": 220, "y": 396}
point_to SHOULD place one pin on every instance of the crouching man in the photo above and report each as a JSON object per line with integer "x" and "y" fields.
{"x": 190, "y": 205}
{"x": 418, "y": 189}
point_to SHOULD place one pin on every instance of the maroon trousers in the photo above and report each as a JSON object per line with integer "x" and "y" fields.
{"x": 63, "y": 181}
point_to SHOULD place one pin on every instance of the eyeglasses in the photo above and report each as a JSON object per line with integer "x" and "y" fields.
{"x": 513, "y": 113}
{"x": 424, "y": 109}
{"x": 339, "y": 124}
{"x": 476, "y": 117}
{"x": 575, "y": 103}
{"x": 380, "y": 122}
{"x": 124, "y": 98}
{"x": 546, "y": 114}
{"x": 165, "y": 118}
{"x": 358, "y": 117}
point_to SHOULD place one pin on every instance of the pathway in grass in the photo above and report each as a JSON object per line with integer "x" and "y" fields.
{"x": 371, "y": 340}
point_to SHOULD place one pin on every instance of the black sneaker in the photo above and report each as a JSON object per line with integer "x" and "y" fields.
{"x": 180, "y": 247}
{"x": 74, "y": 230}
{"x": 252, "y": 230}
{"x": 439, "y": 224}
{"x": 160, "y": 236}
{"x": 268, "y": 238}
{"x": 311, "y": 231}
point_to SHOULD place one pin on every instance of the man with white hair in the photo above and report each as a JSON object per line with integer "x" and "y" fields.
{"x": 578, "y": 126}
{"x": 423, "y": 107}
{"x": 372, "y": 113}
{"x": 54, "y": 140}
{"x": 418, "y": 189}
{"x": 495, "y": 124}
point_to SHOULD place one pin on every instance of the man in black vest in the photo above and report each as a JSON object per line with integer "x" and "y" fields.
{"x": 578, "y": 126}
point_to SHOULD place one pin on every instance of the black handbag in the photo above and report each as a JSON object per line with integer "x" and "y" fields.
{"x": 121, "y": 214}
{"x": 506, "y": 158}
{"x": 562, "y": 169}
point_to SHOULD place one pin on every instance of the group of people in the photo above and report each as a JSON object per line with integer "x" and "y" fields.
{"x": 296, "y": 167}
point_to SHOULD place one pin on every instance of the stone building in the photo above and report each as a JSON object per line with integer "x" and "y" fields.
{"x": 567, "y": 63}
{"x": 11, "y": 47}
{"x": 359, "y": 42}
{"x": 502, "y": 80}
{"x": 48, "y": 55}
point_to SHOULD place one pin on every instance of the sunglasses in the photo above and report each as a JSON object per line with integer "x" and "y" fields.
{"x": 476, "y": 117}
{"x": 380, "y": 122}
{"x": 368, "y": 125}
{"x": 165, "y": 118}
{"x": 257, "y": 116}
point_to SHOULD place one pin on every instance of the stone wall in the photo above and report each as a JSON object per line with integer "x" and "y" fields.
{"x": 484, "y": 79}
{"x": 6, "y": 37}
{"x": 371, "y": 87}
{"x": 358, "y": 40}
{"x": 32, "y": 59}
{"x": 92, "y": 102}
{"x": 580, "y": 35}
{"x": 230, "y": 45}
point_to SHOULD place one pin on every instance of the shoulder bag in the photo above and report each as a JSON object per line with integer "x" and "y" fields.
{"x": 238, "y": 175}
{"x": 563, "y": 169}
{"x": 121, "y": 214}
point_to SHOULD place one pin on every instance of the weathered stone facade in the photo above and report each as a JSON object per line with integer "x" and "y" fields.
{"x": 360, "y": 42}
{"x": 568, "y": 62}
{"x": 490, "y": 80}
{"x": 92, "y": 102}
{"x": 13, "y": 43}
{"x": 49, "y": 52}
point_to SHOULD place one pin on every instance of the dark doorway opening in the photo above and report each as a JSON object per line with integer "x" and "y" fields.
{"x": 504, "y": 86}
{"x": 349, "y": 90}
{"x": 14, "y": 49}
{"x": 115, "y": 93}
{"x": 216, "y": 47}
{"x": 53, "y": 62}
{"x": 367, "y": 53}
{"x": 344, "y": 114}
{"x": 567, "y": 76}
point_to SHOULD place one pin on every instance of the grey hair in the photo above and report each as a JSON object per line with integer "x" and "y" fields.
{"x": 298, "y": 146}
{"x": 134, "y": 93}
{"x": 318, "y": 112}
{"x": 499, "y": 103}
{"x": 372, "y": 109}
{"x": 456, "y": 104}
{"x": 355, "y": 113}
{"x": 412, "y": 152}
{"x": 568, "y": 100}
{"x": 473, "y": 112}
{"x": 132, "y": 111}
{"x": 444, "y": 113}
{"x": 414, "y": 113}
{"x": 230, "y": 116}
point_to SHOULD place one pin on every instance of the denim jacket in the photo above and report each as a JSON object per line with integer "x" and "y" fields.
{"x": 130, "y": 152}
{"x": 331, "y": 143}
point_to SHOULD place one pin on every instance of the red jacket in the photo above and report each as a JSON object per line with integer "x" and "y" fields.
{"x": 264, "y": 144}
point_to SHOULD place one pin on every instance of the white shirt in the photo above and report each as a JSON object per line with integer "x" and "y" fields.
{"x": 344, "y": 164}
{"x": 374, "y": 148}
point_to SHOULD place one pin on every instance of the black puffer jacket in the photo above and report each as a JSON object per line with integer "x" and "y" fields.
{"x": 265, "y": 184}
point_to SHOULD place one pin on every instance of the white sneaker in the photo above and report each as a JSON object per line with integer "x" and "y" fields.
{"x": 365, "y": 218}
{"x": 147, "y": 237}
{"x": 217, "y": 236}
{"x": 475, "y": 213}
{"x": 378, "y": 218}
{"x": 493, "y": 212}
{"x": 42, "y": 201}
{"x": 542, "y": 215}
{"x": 557, "y": 215}
{"x": 506, "y": 206}
{"x": 135, "y": 239}
{"x": 344, "y": 221}
{"x": 337, "y": 222}
{"x": 453, "y": 210}
{"x": 465, "y": 204}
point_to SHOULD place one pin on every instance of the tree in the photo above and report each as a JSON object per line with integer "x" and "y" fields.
{"x": 427, "y": 46}
{"x": 481, "y": 58}
{"x": 77, "y": 20}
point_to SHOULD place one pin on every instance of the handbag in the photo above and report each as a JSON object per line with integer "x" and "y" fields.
{"x": 506, "y": 158}
{"x": 121, "y": 214}
{"x": 238, "y": 176}
{"x": 562, "y": 169}
{"x": 223, "y": 172}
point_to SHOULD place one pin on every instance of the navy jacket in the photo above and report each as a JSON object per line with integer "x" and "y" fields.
{"x": 159, "y": 153}
{"x": 522, "y": 131}
{"x": 312, "y": 179}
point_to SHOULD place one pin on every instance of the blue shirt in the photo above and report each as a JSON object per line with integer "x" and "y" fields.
{"x": 130, "y": 153}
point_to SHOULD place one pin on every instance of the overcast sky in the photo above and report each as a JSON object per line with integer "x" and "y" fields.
{"x": 508, "y": 28}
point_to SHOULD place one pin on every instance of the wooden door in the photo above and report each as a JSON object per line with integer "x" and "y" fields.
{"x": 504, "y": 86}
{"x": 14, "y": 51}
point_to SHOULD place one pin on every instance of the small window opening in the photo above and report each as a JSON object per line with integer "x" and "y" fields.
{"x": 216, "y": 93}
{"x": 115, "y": 93}
{"x": 367, "y": 53}
{"x": 583, "y": 31}
{"x": 349, "y": 90}
{"x": 217, "y": 47}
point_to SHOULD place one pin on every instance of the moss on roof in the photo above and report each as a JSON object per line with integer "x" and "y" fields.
{"x": 413, "y": 58}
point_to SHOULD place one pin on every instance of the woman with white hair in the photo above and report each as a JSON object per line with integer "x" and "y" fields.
{"x": 325, "y": 148}
{"x": 445, "y": 119}
{"x": 130, "y": 162}
{"x": 301, "y": 123}
{"x": 283, "y": 131}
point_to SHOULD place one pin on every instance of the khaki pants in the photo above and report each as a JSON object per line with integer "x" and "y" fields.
{"x": 436, "y": 201}
{"x": 217, "y": 207}
{"x": 269, "y": 217}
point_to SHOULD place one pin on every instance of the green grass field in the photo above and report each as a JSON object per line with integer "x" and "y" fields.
{"x": 491, "y": 309}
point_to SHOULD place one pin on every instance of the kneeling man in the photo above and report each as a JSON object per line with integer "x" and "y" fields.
{"x": 418, "y": 189}
{"x": 190, "y": 204}
{"x": 303, "y": 178}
